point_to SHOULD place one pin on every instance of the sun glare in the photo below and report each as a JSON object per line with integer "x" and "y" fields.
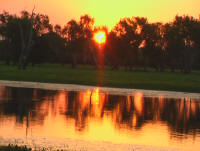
{"x": 100, "y": 37}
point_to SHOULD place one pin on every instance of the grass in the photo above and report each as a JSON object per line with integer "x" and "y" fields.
{"x": 87, "y": 75}
{"x": 14, "y": 148}
{"x": 25, "y": 148}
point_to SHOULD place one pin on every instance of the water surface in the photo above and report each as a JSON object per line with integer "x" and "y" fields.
{"x": 40, "y": 117}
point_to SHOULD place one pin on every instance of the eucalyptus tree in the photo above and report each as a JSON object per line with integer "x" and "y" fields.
{"x": 114, "y": 51}
{"x": 78, "y": 38}
{"x": 58, "y": 29}
{"x": 72, "y": 34}
{"x": 152, "y": 48}
{"x": 10, "y": 36}
{"x": 195, "y": 36}
{"x": 125, "y": 30}
{"x": 21, "y": 33}
{"x": 49, "y": 46}
{"x": 183, "y": 30}
{"x": 31, "y": 27}
{"x": 182, "y": 42}
{"x": 129, "y": 31}
{"x": 86, "y": 25}
{"x": 26, "y": 36}
{"x": 172, "y": 45}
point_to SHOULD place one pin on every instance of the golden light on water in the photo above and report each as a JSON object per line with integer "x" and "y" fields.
{"x": 138, "y": 102}
{"x": 89, "y": 115}
{"x": 95, "y": 96}
{"x": 100, "y": 37}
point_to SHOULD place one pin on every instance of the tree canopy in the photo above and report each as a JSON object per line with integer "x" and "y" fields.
{"x": 133, "y": 43}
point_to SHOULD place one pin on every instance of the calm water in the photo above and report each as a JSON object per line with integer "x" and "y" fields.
{"x": 37, "y": 116}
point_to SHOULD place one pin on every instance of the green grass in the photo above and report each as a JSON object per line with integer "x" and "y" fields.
{"x": 87, "y": 75}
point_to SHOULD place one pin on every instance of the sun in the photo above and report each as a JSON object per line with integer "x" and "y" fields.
{"x": 100, "y": 37}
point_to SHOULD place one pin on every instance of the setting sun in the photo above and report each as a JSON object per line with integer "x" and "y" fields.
{"x": 100, "y": 37}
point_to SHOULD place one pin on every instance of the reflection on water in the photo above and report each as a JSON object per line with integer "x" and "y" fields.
{"x": 96, "y": 116}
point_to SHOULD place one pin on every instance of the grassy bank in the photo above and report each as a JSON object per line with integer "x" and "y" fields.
{"x": 87, "y": 75}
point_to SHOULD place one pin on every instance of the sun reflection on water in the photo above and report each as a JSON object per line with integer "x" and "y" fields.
{"x": 96, "y": 116}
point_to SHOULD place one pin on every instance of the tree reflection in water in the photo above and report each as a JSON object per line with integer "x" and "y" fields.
{"x": 33, "y": 106}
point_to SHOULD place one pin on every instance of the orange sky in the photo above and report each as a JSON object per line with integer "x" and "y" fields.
{"x": 105, "y": 12}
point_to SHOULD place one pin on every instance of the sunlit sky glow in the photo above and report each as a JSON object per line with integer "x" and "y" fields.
{"x": 105, "y": 12}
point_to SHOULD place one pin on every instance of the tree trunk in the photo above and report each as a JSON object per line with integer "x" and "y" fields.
{"x": 26, "y": 43}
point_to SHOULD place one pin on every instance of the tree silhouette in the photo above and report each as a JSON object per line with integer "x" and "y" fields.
{"x": 133, "y": 43}
{"x": 20, "y": 34}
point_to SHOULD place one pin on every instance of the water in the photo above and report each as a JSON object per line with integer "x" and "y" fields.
{"x": 92, "y": 119}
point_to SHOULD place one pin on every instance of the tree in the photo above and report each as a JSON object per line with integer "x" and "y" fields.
{"x": 72, "y": 34}
{"x": 31, "y": 27}
{"x": 181, "y": 42}
{"x": 114, "y": 51}
{"x": 20, "y": 34}
{"x": 152, "y": 48}
{"x": 26, "y": 35}
{"x": 10, "y": 36}
{"x": 49, "y": 48}
{"x": 86, "y": 25}
{"x": 58, "y": 29}
{"x": 78, "y": 38}
{"x": 129, "y": 31}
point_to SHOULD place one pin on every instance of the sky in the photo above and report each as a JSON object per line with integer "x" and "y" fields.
{"x": 105, "y": 12}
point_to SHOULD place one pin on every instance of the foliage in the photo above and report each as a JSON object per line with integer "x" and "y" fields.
{"x": 133, "y": 43}
{"x": 19, "y": 35}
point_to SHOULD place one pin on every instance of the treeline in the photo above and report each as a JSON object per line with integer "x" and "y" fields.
{"x": 133, "y": 43}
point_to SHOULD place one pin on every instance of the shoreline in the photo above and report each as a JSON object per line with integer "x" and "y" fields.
{"x": 68, "y": 144}
{"x": 112, "y": 91}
